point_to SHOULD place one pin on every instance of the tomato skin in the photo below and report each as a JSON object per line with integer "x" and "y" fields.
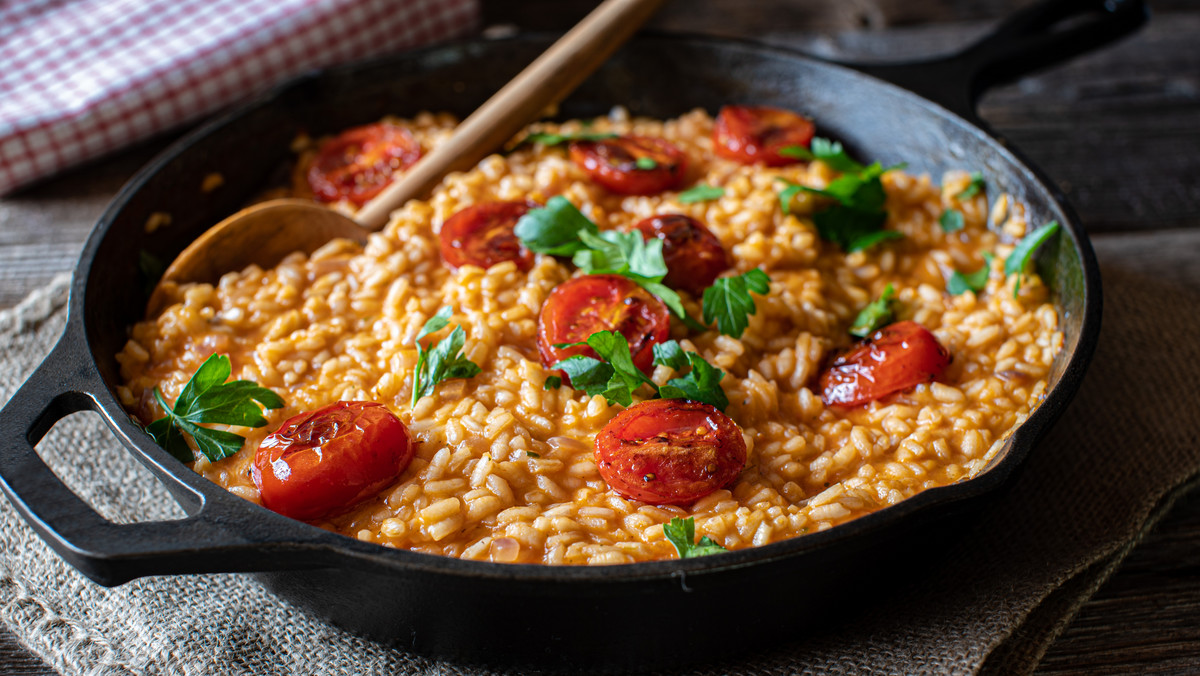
{"x": 360, "y": 162}
{"x": 693, "y": 254}
{"x": 613, "y": 164}
{"x": 894, "y": 358}
{"x": 670, "y": 451}
{"x": 579, "y": 307}
{"x": 750, "y": 134}
{"x": 322, "y": 462}
{"x": 482, "y": 235}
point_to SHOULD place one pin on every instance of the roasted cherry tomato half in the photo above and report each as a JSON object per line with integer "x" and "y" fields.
{"x": 670, "y": 451}
{"x": 632, "y": 165}
{"x": 323, "y": 462}
{"x": 894, "y": 358}
{"x": 584, "y": 305}
{"x": 360, "y": 162}
{"x": 694, "y": 255}
{"x": 757, "y": 134}
{"x": 482, "y": 235}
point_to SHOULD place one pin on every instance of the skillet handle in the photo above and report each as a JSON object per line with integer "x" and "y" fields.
{"x": 208, "y": 540}
{"x": 1037, "y": 37}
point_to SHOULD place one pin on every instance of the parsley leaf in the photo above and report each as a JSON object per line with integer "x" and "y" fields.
{"x": 973, "y": 188}
{"x": 829, "y": 152}
{"x": 613, "y": 252}
{"x": 615, "y": 377}
{"x": 682, "y": 534}
{"x": 208, "y": 399}
{"x": 701, "y": 192}
{"x": 853, "y": 229}
{"x": 855, "y": 221}
{"x": 951, "y": 220}
{"x": 548, "y": 139}
{"x": 444, "y": 360}
{"x": 876, "y": 315}
{"x": 786, "y": 195}
{"x": 645, "y": 163}
{"x": 1019, "y": 259}
{"x": 728, "y": 301}
{"x": 702, "y": 383}
{"x": 959, "y": 283}
{"x": 552, "y": 383}
{"x": 559, "y": 229}
{"x": 554, "y": 229}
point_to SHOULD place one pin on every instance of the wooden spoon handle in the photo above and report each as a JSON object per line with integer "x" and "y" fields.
{"x": 546, "y": 81}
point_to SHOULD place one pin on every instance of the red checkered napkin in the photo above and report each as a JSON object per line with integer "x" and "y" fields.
{"x": 84, "y": 77}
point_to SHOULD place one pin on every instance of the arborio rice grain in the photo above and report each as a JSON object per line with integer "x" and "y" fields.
{"x": 504, "y": 469}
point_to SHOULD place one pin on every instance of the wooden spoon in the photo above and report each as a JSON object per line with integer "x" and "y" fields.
{"x": 264, "y": 233}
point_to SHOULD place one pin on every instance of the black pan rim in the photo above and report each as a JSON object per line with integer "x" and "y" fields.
{"x": 946, "y": 497}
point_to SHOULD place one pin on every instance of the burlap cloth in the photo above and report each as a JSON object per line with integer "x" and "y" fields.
{"x": 1127, "y": 447}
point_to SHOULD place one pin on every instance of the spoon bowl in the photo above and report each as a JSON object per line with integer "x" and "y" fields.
{"x": 262, "y": 234}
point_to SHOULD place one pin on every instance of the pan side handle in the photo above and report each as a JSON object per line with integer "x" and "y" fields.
{"x": 210, "y": 539}
{"x": 1037, "y": 37}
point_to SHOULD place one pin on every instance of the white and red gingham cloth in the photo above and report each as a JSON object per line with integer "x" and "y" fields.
{"x": 79, "y": 78}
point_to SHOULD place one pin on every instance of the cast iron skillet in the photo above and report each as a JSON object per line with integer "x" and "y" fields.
{"x": 629, "y": 615}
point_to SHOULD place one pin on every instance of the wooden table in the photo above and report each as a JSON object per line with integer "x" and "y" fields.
{"x": 1119, "y": 130}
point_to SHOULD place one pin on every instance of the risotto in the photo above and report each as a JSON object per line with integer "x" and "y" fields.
{"x": 504, "y": 468}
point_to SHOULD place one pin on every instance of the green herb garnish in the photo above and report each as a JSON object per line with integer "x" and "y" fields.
{"x": 856, "y": 221}
{"x": 560, "y": 229}
{"x": 444, "y": 360}
{"x": 702, "y": 383}
{"x": 615, "y": 377}
{"x": 208, "y": 399}
{"x": 554, "y": 229}
{"x": 829, "y": 152}
{"x": 876, "y": 315}
{"x": 645, "y": 163}
{"x": 701, "y": 192}
{"x": 548, "y": 139}
{"x": 728, "y": 301}
{"x": 973, "y": 188}
{"x": 682, "y": 534}
{"x": 1019, "y": 259}
{"x": 552, "y": 383}
{"x": 959, "y": 283}
{"x": 951, "y": 220}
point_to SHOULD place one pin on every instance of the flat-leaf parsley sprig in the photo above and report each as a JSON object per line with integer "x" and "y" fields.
{"x": 728, "y": 301}
{"x": 960, "y": 283}
{"x": 615, "y": 377}
{"x": 825, "y": 150}
{"x": 1022, "y": 255}
{"x": 560, "y": 229}
{"x": 682, "y": 534}
{"x": 855, "y": 220}
{"x": 208, "y": 399}
{"x": 550, "y": 139}
{"x": 876, "y": 315}
{"x": 444, "y": 360}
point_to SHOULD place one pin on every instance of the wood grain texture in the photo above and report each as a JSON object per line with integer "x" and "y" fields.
{"x": 1119, "y": 130}
{"x": 542, "y": 84}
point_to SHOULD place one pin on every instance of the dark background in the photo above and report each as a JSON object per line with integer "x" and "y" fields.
{"x": 1119, "y": 131}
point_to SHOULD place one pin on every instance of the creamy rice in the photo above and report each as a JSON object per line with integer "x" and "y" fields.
{"x": 504, "y": 470}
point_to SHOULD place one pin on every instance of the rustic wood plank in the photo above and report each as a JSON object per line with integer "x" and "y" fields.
{"x": 1145, "y": 618}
